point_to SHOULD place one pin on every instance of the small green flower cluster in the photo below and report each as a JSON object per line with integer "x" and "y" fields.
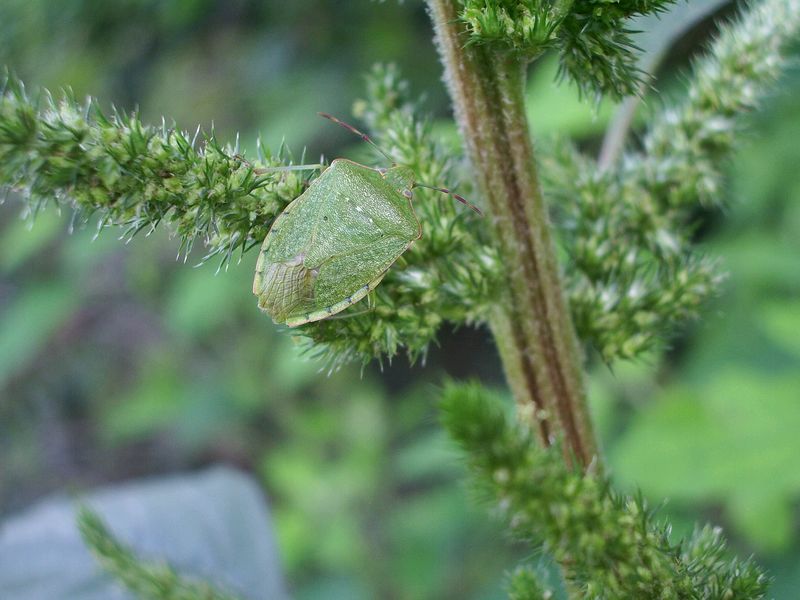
{"x": 688, "y": 143}
{"x": 135, "y": 176}
{"x": 594, "y": 44}
{"x": 610, "y": 546}
{"x": 525, "y": 28}
{"x": 632, "y": 271}
{"x": 525, "y": 584}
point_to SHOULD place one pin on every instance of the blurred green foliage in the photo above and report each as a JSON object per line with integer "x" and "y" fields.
{"x": 716, "y": 430}
{"x": 116, "y": 361}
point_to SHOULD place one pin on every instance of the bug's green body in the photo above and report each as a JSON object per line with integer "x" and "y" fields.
{"x": 333, "y": 244}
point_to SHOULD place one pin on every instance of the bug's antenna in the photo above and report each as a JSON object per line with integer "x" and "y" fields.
{"x": 360, "y": 134}
{"x": 458, "y": 197}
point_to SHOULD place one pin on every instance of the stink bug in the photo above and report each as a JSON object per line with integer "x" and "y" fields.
{"x": 335, "y": 242}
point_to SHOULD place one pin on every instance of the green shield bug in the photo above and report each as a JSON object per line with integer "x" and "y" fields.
{"x": 335, "y": 242}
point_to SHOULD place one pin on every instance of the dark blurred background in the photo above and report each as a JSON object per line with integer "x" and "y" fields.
{"x": 118, "y": 362}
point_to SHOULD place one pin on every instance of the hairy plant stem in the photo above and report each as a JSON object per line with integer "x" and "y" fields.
{"x": 532, "y": 327}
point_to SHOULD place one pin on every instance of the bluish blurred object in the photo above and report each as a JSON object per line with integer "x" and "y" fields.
{"x": 213, "y": 526}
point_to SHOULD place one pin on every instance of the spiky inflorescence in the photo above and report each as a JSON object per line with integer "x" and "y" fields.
{"x": 524, "y": 28}
{"x": 609, "y": 546}
{"x": 147, "y": 580}
{"x": 632, "y": 271}
{"x": 688, "y": 143}
{"x": 135, "y": 176}
{"x": 595, "y": 47}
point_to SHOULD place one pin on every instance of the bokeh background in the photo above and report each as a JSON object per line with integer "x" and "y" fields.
{"x": 118, "y": 362}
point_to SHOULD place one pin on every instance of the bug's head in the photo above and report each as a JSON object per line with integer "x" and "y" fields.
{"x": 400, "y": 177}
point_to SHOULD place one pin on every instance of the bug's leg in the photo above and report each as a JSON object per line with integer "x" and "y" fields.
{"x": 458, "y": 197}
{"x": 360, "y": 134}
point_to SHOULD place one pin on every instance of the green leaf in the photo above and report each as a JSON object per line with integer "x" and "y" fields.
{"x": 767, "y": 520}
{"x": 557, "y": 108}
{"x": 781, "y": 321}
{"x": 20, "y": 240}
{"x": 159, "y": 399}
{"x": 716, "y": 444}
{"x": 29, "y": 322}
{"x": 431, "y": 455}
{"x": 201, "y": 300}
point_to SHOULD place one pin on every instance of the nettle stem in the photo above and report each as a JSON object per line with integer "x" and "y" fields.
{"x": 532, "y": 328}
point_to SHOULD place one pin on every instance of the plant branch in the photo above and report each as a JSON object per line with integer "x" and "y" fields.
{"x": 611, "y": 546}
{"x": 137, "y": 176}
{"x": 532, "y": 326}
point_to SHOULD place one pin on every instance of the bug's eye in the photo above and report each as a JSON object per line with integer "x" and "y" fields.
{"x": 408, "y": 194}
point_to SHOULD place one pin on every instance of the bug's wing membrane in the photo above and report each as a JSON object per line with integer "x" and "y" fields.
{"x": 283, "y": 282}
{"x": 291, "y": 231}
{"x": 346, "y": 278}
{"x": 287, "y": 287}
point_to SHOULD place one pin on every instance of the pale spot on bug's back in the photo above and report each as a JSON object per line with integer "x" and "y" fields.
{"x": 359, "y": 209}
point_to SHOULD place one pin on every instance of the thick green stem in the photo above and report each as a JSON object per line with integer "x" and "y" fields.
{"x": 532, "y": 327}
